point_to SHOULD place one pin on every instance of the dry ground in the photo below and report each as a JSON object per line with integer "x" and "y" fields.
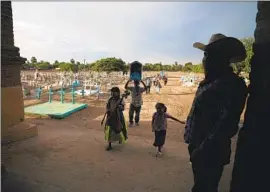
{"x": 69, "y": 154}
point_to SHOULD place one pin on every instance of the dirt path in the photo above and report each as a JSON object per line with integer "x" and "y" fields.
{"x": 69, "y": 154}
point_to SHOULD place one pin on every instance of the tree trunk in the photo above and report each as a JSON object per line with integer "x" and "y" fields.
{"x": 251, "y": 166}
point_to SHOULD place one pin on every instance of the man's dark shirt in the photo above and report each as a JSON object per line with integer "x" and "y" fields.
{"x": 215, "y": 116}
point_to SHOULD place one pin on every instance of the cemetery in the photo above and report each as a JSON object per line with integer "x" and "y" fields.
{"x": 40, "y": 152}
{"x": 190, "y": 80}
{"x": 63, "y": 84}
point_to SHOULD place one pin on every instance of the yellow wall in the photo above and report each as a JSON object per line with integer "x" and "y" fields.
{"x": 12, "y": 107}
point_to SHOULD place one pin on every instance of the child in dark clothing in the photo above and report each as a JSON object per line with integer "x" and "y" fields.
{"x": 159, "y": 125}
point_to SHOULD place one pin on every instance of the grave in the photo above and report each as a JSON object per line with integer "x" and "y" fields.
{"x": 55, "y": 109}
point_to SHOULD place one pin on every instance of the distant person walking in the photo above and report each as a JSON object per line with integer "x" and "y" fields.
{"x": 136, "y": 101}
{"x": 165, "y": 80}
{"x": 215, "y": 112}
{"x": 158, "y": 86}
{"x": 148, "y": 85}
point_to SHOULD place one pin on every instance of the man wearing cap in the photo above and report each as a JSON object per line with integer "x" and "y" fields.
{"x": 215, "y": 112}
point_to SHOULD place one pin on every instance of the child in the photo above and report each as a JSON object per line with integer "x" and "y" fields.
{"x": 115, "y": 127}
{"x": 159, "y": 125}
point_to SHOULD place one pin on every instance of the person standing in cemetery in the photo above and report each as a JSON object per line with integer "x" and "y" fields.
{"x": 136, "y": 101}
{"x": 159, "y": 125}
{"x": 115, "y": 127}
{"x": 148, "y": 85}
{"x": 154, "y": 79}
{"x": 158, "y": 86}
{"x": 165, "y": 80}
{"x": 215, "y": 112}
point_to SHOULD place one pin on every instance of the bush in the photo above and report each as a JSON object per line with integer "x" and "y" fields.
{"x": 109, "y": 65}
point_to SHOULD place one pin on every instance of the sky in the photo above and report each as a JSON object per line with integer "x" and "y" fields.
{"x": 145, "y": 31}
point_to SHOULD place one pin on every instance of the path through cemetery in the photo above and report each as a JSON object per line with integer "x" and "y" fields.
{"x": 69, "y": 155}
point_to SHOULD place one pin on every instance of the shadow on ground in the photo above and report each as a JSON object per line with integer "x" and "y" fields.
{"x": 16, "y": 183}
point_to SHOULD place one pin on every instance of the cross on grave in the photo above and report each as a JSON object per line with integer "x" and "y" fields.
{"x": 38, "y": 92}
{"x": 76, "y": 83}
{"x": 50, "y": 94}
{"x": 73, "y": 94}
{"x": 82, "y": 91}
{"x": 62, "y": 93}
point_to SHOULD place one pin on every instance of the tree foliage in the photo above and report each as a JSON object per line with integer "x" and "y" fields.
{"x": 33, "y": 60}
{"x": 115, "y": 64}
{"x": 66, "y": 66}
{"x": 245, "y": 65}
{"x": 108, "y": 65}
{"x": 72, "y": 61}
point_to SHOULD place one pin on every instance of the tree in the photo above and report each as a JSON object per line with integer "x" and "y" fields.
{"x": 197, "y": 68}
{"x": 82, "y": 67}
{"x": 66, "y": 66}
{"x": 33, "y": 60}
{"x": 158, "y": 67}
{"x": 44, "y": 65}
{"x": 187, "y": 67}
{"x": 245, "y": 65}
{"x": 108, "y": 65}
{"x": 72, "y": 61}
{"x": 188, "y": 64}
{"x": 56, "y": 62}
{"x": 126, "y": 68}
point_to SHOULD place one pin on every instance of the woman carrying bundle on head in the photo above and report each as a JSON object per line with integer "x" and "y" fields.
{"x": 115, "y": 127}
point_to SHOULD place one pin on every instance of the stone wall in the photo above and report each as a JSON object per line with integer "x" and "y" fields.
{"x": 7, "y": 35}
{"x": 10, "y": 55}
{"x": 12, "y": 106}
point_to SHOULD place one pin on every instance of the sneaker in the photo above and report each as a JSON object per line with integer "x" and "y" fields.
{"x": 130, "y": 124}
{"x": 137, "y": 124}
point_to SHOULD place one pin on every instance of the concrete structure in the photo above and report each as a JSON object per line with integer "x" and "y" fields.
{"x": 55, "y": 109}
{"x": 12, "y": 107}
